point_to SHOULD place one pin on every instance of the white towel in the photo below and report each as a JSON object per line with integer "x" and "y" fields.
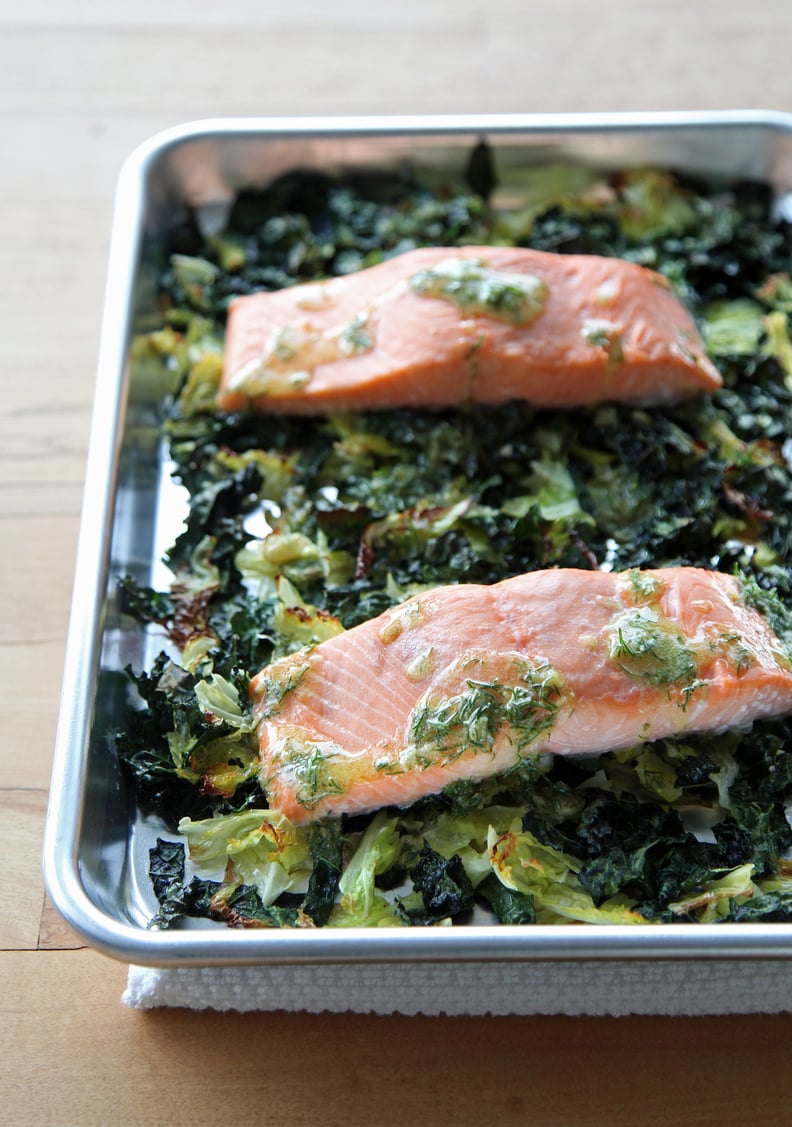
{"x": 602, "y": 987}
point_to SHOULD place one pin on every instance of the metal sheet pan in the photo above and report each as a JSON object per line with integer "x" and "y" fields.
{"x": 95, "y": 852}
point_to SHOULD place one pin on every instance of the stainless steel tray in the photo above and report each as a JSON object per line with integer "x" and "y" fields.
{"x": 95, "y": 851}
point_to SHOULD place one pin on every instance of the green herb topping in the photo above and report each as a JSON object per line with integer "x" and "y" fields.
{"x": 649, "y": 646}
{"x": 447, "y": 725}
{"x": 295, "y": 350}
{"x": 475, "y": 288}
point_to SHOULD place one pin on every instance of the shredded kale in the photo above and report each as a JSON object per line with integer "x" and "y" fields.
{"x": 327, "y": 852}
{"x": 297, "y": 528}
{"x": 166, "y": 870}
{"x": 445, "y": 888}
{"x": 510, "y": 907}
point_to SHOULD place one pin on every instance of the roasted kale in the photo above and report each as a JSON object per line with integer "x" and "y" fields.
{"x": 299, "y": 528}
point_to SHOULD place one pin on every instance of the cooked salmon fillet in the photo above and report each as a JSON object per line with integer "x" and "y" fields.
{"x": 443, "y": 326}
{"x": 463, "y": 681}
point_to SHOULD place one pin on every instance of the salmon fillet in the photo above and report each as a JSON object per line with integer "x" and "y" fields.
{"x": 443, "y": 326}
{"x": 463, "y": 681}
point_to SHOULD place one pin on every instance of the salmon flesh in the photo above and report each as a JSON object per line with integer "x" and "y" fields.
{"x": 465, "y": 681}
{"x": 439, "y": 327}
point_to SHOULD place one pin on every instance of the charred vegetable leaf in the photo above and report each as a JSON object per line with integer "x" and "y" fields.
{"x": 242, "y": 907}
{"x": 166, "y": 869}
{"x": 481, "y": 173}
{"x": 444, "y": 886}
{"x": 765, "y": 908}
{"x": 509, "y": 906}
{"x": 327, "y": 853}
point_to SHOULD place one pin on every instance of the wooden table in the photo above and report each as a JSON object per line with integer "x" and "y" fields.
{"x": 81, "y": 84}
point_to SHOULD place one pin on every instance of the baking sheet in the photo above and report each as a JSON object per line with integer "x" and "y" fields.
{"x": 96, "y": 846}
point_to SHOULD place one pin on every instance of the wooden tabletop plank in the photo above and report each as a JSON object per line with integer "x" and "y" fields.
{"x": 564, "y": 55}
{"x": 108, "y": 1064}
{"x": 21, "y": 888}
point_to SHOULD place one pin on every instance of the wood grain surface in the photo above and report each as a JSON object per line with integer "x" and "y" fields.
{"x": 80, "y": 85}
